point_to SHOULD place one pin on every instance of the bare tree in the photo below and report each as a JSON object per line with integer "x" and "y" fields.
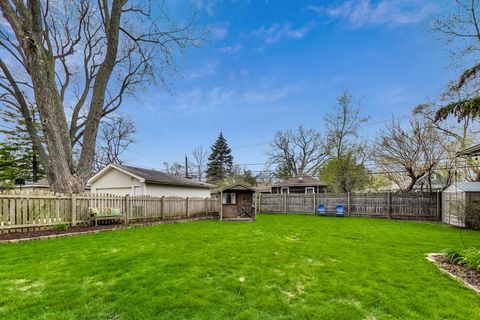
{"x": 176, "y": 169}
{"x": 343, "y": 125}
{"x": 116, "y": 136}
{"x": 78, "y": 60}
{"x": 456, "y": 135}
{"x": 200, "y": 160}
{"x": 300, "y": 151}
{"x": 407, "y": 153}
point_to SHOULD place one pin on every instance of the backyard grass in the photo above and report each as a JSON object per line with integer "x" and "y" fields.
{"x": 280, "y": 267}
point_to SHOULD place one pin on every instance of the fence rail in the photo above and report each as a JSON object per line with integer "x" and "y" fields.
{"x": 25, "y": 211}
{"x": 420, "y": 206}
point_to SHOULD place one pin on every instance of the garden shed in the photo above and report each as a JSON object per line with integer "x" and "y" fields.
{"x": 458, "y": 200}
{"x": 237, "y": 203}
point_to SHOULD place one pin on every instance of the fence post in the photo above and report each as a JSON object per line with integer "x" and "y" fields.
{"x": 285, "y": 203}
{"x": 389, "y": 199}
{"x": 127, "y": 208}
{"x": 348, "y": 204}
{"x": 73, "y": 200}
{"x": 259, "y": 202}
{"x": 314, "y": 203}
{"x": 188, "y": 210}
{"x": 438, "y": 216}
{"x": 206, "y": 206}
{"x": 162, "y": 207}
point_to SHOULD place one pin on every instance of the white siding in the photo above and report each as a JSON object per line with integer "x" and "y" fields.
{"x": 176, "y": 191}
{"x": 115, "y": 182}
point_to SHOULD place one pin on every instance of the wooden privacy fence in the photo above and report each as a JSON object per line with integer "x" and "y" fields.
{"x": 19, "y": 211}
{"x": 420, "y": 206}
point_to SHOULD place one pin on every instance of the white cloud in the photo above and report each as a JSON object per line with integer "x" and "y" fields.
{"x": 208, "y": 69}
{"x": 268, "y": 94}
{"x": 277, "y": 32}
{"x": 231, "y": 49}
{"x": 218, "y": 30}
{"x": 362, "y": 13}
{"x": 200, "y": 99}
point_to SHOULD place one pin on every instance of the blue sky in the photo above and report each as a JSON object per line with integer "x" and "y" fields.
{"x": 272, "y": 65}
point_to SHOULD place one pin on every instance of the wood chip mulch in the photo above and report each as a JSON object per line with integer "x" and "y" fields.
{"x": 26, "y": 235}
{"x": 469, "y": 276}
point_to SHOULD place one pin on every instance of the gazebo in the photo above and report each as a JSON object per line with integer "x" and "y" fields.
{"x": 237, "y": 203}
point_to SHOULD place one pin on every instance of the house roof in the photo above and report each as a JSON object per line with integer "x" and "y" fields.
{"x": 263, "y": 189}
{"x": 468, "y": 152}
{"x": 237, "y": 186}
{"x": 42, "y": 183}
{"x": 302, "y": 180}
{"x": 465, "y": 186}
{"x": 153, "y": 176}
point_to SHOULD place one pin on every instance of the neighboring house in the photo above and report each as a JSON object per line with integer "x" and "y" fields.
{"x": 41, "y": 185}
{"x": 434, "y": 181}
{"x": 122, "y": 180}
{"x": 473, "y": 151}
{"x": 300, "y": 184}
{"x": 263, "y": 189}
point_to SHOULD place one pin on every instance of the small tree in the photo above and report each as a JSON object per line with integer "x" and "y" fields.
{"x": 344, "y": 174}
{"x": 343, "y": 125}
{"x": 220, "y": 161}
{"x": 200, "y": 157}
{"x": 407, "y": 153}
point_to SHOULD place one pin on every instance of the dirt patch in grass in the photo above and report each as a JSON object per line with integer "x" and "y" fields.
{"x": 469, "y": 276}
{"x": 51, "y": 233}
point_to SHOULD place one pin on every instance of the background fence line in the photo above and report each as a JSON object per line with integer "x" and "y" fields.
{"x": 418, "y": 206}
{"x": 19, "y": 211}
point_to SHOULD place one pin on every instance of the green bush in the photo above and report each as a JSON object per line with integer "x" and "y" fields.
{"x": 60, "y": 227}
{"x": 467, "y": 257}
{"x": 472, "y": 216}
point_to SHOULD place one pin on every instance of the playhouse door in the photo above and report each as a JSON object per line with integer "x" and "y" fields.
{"x": 245, "y": 199}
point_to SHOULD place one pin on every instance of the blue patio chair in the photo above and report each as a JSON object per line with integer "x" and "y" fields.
{"x": 340, "y": 210}
{"x": 321, "y": 210}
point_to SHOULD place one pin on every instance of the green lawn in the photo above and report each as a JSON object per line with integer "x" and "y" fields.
{"x": 294, "y": 267}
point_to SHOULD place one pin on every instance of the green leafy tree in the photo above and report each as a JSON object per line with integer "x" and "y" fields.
{"x": 344, "y": 174}
{"x": 220, "y": 161}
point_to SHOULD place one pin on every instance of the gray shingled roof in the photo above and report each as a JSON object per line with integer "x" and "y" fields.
{"x": 300, "y": 181}
{"x": 159, "y": 177}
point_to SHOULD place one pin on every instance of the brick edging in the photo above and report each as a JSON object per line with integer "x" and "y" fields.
{"x": 123, "y": 227}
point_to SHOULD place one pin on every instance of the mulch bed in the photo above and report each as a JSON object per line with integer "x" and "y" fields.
{"x": 469, "y": 276}
{"x": 19, "y": 236}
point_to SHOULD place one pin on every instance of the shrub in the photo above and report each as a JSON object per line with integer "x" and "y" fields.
{"x": 60, "y": 227}
{"x": 472, "y": 216}
{"x": 467, "y": 257}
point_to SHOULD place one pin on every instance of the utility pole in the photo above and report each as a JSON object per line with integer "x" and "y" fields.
{"x": 186, "y": 167}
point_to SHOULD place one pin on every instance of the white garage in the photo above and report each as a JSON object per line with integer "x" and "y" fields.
{"x": 122, "y": 180}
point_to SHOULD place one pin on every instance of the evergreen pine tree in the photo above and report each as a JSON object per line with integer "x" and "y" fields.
{"x": 220, "y": 161}
{"x": 18, "y": 157}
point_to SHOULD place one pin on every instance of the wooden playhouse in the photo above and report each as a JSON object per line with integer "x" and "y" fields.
{"x": 237, "y": 203}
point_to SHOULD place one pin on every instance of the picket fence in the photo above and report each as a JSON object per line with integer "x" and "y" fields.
{"x": 415, "y": 206}
{"x": 26, "y": 211}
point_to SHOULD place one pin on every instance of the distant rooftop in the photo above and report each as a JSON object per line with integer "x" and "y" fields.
{"x": 300, "y": 181}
